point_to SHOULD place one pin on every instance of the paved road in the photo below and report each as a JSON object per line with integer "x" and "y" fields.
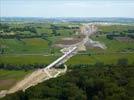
{"x": 62, "y": 58}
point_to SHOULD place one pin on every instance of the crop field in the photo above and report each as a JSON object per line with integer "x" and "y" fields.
{"x": 9, "y": 78}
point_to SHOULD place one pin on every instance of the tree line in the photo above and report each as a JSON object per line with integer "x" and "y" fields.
{"x": 62, "y": 27}
{"x": 7, "y": 28}
{"x": 121, "y": 62}
{"x": 128, "y": 33}
{"x": 21, "y": 66}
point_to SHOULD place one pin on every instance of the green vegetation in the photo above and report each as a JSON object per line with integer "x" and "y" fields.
{"x": 116, "y": 49}
{"x": 114, "y": 45}
{"x": 96, "y": 74}
{"x": 9, "y": 78}
{"x": 23, "y": 30}
{"x": 21, "y": 46}
{"x": 88, "y": 83}
{"x": 31, "y": 44}
{"x": 34, "y": 45}
{"x": 26, "y": 59}
{"x": 25, "y": 51}
{"x": 114, "y": 28}
{"x": 22, "y": 38}
{"x": 104, "y": 58}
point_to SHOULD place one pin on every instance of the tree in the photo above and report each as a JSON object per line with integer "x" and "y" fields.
{"x": 123, "y": 34}
{"x": 54, "y": 32}
{"x": 99, "y": 64}
{"x": 109, "y": 37}
{"x": 122, "y": 62}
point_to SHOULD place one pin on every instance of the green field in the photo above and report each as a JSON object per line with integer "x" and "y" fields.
{"x": 26, "y": 59}
{"x": 113, "y": 45}
{"x": 34, "y": 45}
{"x": 9, "y": 78}
{"x": 104, "y": 58}
{"x": 31, "y": 50}
{"x": 118, "y": 28}
{"x": 43, "y": 40}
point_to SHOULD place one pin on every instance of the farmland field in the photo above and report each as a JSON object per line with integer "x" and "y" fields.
{"x": 27, "y": 59}
{"x": 34, "y": 45}
{"x": 103, "y": 58}
{"x": 9, "y": 78}
{"x": 114, "y": 45}
{"x": 111, "y": 28}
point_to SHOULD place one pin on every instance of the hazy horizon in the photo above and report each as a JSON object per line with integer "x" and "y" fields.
{"x": 62, "y": 17}
{"x": 67, "y": 8}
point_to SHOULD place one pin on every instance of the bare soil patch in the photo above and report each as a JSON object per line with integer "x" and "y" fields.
{"x": 70, "y": 40}
{"x": 7, "y": 83}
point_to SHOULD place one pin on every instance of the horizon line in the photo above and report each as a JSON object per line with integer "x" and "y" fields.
{"x": 56, "y": 17}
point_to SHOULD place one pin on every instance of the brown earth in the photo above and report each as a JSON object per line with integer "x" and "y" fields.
{"x": 7, "y": 83}
{"x": 71, "y": 40}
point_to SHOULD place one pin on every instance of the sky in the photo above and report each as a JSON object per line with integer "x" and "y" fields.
{"x": 67, "y": 8}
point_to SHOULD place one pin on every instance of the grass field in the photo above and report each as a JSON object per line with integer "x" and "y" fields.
{"x": 111, "y": 28}
{"x": 114, "y": 45}
{"x": 104, "y": 58}
{"x": 26, "y": 59}
{"x": 9, "y": 78}
{"x": 33, "y": 45}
